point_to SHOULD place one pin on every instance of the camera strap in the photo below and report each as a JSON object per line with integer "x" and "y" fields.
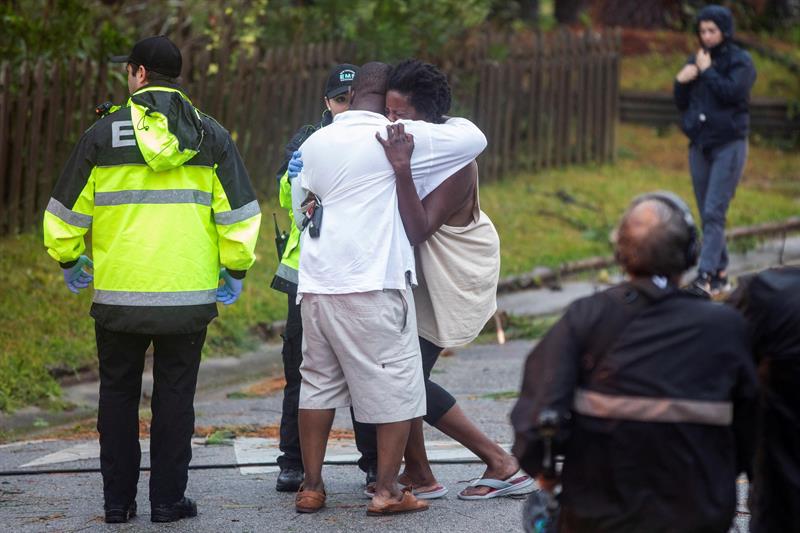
{"x": 629, "y": 302}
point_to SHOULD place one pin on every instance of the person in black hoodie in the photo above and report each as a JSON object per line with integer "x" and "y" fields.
{"x": 713, "y": 91}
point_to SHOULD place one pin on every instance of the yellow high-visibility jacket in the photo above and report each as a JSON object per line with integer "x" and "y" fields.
{"x": 169, "y": 201}
{"x": 286, "y": 277}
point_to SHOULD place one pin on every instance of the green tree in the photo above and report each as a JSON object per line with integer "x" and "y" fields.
{"x": 59, "y": 29}
{"x": 568, "y": 11}
{"x": 385, "y": 29}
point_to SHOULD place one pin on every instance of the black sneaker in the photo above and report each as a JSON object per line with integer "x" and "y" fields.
{"x": 701, "y": 286}
{"x": 720, "y": 285}
{"x": 372, "y": 475}
{"x": 172, "y": 512}
{"x": 119, "y": 514}
{"x": 289, "y": 480}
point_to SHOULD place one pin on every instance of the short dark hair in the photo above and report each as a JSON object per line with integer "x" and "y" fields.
{"x": 153, "y": 76}
{"x": 425, "y": 86}
{"x": 656, "y": 247}
{"x": 371, "y": 79}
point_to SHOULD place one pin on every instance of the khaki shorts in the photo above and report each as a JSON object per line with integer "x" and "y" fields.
{"x": 362, "y": 349}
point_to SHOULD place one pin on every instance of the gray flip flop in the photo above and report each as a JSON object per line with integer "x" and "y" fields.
{"x": 516, "y": 484}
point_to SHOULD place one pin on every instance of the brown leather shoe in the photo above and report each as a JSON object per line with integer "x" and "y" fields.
{"x": 407, "y": 504}
{"x": 309, "y": 501}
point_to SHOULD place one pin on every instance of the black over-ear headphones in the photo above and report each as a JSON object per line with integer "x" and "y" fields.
{"x": 676, "y": 203}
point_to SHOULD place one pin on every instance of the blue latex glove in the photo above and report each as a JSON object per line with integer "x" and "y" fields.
{"x": 295, "y": 165}
{"x": 230, "y": 289}
{"x": 75, "y": 277}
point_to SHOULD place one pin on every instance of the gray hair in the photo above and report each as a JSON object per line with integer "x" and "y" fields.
{"x": 652, "y": 239}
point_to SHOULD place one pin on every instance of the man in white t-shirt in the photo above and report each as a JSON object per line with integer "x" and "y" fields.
{"x": 360, "y": 344}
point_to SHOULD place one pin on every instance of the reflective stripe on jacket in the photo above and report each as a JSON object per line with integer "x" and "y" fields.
{"x": 285, "y": 279}
{"x": 169, "y": 201}
{"x": 286, "y": 276}
{"x": 670, "y": 391}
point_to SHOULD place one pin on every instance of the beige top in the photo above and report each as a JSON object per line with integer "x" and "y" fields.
{"x": 457, "y": 273}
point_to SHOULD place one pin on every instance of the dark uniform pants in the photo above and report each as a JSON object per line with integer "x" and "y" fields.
{"x": 366, "y": 438}
{"x": 176, "y": 360}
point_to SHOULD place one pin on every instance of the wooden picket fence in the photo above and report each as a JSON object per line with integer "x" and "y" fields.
{"x": 550, "y": 102}
{"x": 542, "y": 101}
{"x": 769, "y": 117}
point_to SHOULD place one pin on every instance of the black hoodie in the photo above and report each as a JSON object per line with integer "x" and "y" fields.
{"x": 716, "y": 105}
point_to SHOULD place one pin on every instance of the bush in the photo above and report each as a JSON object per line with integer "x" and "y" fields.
{"x": 389, "y": 29}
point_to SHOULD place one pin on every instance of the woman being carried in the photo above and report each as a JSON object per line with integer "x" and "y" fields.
{"x": 458, "y": 263}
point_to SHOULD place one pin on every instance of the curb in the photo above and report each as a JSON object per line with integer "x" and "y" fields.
{"x": 215, "y": 374}
{"x": 543, "y": 276}
{"x": 227, "y": 371}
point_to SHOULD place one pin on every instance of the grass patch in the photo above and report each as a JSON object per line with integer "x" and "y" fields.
{"x": 543, "y": 219}
{"x": 518, "y": 327}
{"x": 504, "y": 395}
{"x": 50, "y": 327}
{"x": 567, "y": 214}
{"x": 655, "y": 72}
{"x": 220, "y": 437}
{"x": 521, "y": 327}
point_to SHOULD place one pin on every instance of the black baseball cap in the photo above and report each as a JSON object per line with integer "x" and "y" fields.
{"x": 340, "y": 79}
{"x": 157, "y": 53}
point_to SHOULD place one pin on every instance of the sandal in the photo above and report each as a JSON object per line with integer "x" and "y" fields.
{"x": 407, "y": 504}
{"x": 515, "y": 484}
{"x": 438, "y": 491}
{"x": 309, "y": 501}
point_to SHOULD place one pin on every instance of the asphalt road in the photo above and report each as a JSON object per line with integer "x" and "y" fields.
{"x": 482, "y": 377}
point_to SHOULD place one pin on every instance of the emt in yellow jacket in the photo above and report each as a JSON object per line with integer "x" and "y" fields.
{"x": 172, "y": 211}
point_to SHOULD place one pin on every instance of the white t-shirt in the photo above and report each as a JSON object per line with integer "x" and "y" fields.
{"x": 362, "y": 244}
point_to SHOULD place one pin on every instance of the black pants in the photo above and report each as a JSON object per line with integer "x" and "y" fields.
{"x": 775, "y": 503}
{"x": 438, "y": 400}
{"x": 366, "y": 438}
{"x": 176, "y": 360}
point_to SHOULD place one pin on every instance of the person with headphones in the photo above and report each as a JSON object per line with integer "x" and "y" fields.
{"x": 648, "y": 392}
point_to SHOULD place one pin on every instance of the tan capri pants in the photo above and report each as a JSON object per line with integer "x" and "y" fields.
{"x": 362, "y": 348}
